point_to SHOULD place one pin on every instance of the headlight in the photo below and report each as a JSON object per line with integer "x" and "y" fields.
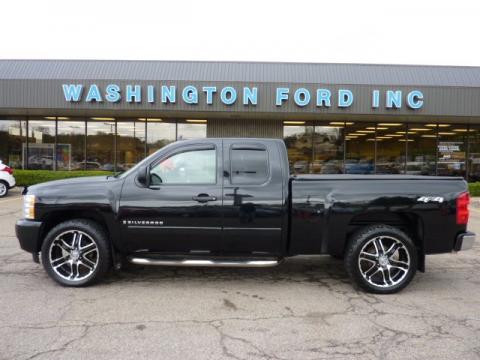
{"x": 29, "y": 207}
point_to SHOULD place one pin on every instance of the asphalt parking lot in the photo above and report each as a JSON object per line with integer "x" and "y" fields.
{"x": 304, "y": 309}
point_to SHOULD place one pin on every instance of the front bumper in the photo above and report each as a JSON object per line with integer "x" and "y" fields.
{"x": 465, "y": 241}
{"x": 28, "y": 234}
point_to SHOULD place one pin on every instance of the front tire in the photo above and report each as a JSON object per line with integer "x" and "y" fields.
{"x": 76, "y": 253}
{"x": 381, "y": 259}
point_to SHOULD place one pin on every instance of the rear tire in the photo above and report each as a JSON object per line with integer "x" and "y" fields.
{"x": 76, "y": 253}
{"x": 381, "y": 259}
{"x": 3, "y": 188}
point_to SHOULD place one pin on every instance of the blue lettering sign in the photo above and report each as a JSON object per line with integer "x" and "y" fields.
{"x": 375, "y": 99}
{"x": 250, "y": 96}
{"x": 345, "y": 98}
{"x": 93, "y": 94}
{"x": 169, "y": 94}
{"x": 323, "y": 97}
{"x": 112, "y": 93}
{"x": 228, "y": 95}
{"x": 301, "y": 97}
{"x": 415, "y": 99}
{"x": 209, "y": 90}
{"x": 393, "y": 99}
{"x": 150, "y": 94}
{"x": 282, "y": 94}
{"x": 72, "y": 92}
{"x": 133, "y": 93}
{"x": 190, "y": 94}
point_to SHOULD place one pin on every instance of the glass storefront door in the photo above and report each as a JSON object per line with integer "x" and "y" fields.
{"x": 452, "y": 148}
{"x": 41, "y": 144}
{"x": 101, "y": 144}
{"x": 71, "y": 144}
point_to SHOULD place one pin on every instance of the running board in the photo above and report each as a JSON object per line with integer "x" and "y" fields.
{"x": 225, "y": 262}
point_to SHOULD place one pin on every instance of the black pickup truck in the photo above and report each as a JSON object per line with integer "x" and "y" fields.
{"x": 232, "y": 202}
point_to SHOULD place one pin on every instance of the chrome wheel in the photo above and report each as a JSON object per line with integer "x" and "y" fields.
{"x": 3, "y": 189}
{"x": 73, "y": 255}
{"x": 384, "y": 261}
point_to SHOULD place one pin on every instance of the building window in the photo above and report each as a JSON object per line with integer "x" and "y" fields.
{"x": 382, "y": 148}
{"x": 360, "y": 148}
{"x": 314, "y": 148}
{"x": 159, "y": 134}
{"x": 192, "y": 129}
{"x": 130, "y": 142}
{"x": 299, "y": 140}
{"x": 70, "y": 144}
{"x": 13, "y": 136}
{"x": 101, "y": 144}
{"x": 97, "y": 143}
{"x": 391, "y": 148}
{"x": 421, "y": 149}
{"x": 104, "y": 143}
{"x": 328, "y": 149}
{"x": 41, "y": 144}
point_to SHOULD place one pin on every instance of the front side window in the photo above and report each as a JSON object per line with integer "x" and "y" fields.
{"x": 249, "y": 166}
{"x": 189, "y": 167}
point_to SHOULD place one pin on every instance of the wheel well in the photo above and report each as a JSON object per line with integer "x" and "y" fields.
{"x": 58, "y": 217}
{"x": 409, "y": 223}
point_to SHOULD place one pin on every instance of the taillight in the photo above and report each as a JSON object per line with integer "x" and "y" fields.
{"x": 8, "y": 169}
{"x": 462, "y": 208}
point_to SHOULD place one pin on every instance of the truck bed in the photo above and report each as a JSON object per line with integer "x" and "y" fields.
{"x": 327, "y": 209}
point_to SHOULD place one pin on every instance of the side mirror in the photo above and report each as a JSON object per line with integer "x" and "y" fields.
{"x": 143, "y": 176}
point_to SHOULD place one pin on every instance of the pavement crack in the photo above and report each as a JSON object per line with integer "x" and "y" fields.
{"x": 63, "y": 347}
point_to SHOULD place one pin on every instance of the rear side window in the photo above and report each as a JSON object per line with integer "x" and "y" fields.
{"x": 249, "y": 166}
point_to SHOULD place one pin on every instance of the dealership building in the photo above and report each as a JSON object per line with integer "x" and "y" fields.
{"x": 334, "y": 118}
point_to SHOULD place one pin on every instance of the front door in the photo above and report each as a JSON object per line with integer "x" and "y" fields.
{"x": 252, "y": 197}
{"x": 181, "y": 210}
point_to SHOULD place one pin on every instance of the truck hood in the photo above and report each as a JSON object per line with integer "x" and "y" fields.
{"x": 72, "y": 186}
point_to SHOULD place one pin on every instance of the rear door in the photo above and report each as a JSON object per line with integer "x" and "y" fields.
{"x": 252, "y": 197}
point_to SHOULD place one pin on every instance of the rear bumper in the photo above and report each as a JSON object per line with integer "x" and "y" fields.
{"x": 28, "y": 234}
{"x": 465, "y": 241}
{"x": 9, "y": 179}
